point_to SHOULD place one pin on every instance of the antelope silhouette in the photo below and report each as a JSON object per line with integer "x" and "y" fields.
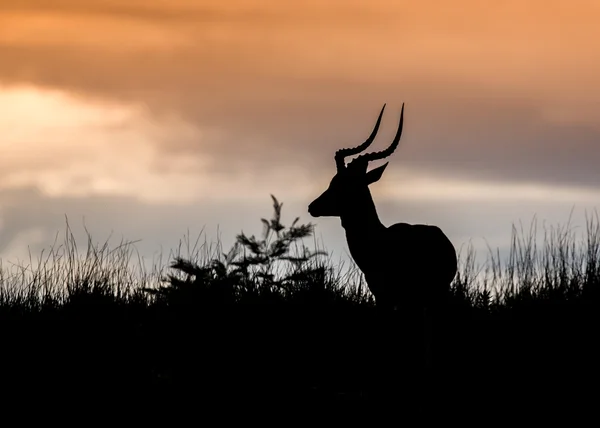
{"x": 407, "y": 267}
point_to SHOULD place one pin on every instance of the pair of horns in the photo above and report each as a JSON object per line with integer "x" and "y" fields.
{"x": 341, "y": 154}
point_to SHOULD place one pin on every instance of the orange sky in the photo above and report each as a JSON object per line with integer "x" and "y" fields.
{"x": 132, "y": 99}
{"x": 531, "y": 44}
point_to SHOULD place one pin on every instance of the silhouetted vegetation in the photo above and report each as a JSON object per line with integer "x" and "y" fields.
{"x": 271, "y": 319}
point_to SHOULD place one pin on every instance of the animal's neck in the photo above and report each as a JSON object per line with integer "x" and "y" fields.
{"x": 362, "y": 226}
{"x": 362, "y": 219}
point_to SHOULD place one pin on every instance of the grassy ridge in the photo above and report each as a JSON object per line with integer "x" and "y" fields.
{"x": 271, "y": 319}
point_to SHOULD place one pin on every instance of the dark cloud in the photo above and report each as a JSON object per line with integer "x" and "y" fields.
{"x": 498, "y": 141}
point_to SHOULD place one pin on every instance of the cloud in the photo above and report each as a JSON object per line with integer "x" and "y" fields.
{"x": 484, "y": 102}
{"x": 180, "y": 111}
{"x": 66, "y": 147}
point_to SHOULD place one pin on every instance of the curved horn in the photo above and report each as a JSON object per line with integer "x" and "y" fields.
{"x": 384, "y": 153}
{"x": 341, "y": 154}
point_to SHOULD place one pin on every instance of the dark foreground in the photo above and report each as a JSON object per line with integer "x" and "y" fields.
{"x": 542, "y": 361}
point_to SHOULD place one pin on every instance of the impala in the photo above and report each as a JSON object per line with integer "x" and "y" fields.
{"x": 406, "y": 266}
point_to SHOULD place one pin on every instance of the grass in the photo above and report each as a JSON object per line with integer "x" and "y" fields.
{"x": 271, "y": 319}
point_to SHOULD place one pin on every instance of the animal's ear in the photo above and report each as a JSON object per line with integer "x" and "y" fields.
{"x": 375, "y": 174}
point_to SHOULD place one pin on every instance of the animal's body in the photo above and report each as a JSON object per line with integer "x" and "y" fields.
{"x": 405, "y": 266}
{"x": 397, "y": 263}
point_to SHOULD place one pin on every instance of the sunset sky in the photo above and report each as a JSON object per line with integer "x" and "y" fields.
{"x": 151, "y": 118}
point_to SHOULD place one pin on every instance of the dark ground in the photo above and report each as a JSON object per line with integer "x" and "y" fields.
{"x": 543, "y": 360}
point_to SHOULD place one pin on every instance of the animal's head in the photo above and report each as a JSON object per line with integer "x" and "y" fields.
{"x": 353, "y": 179}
